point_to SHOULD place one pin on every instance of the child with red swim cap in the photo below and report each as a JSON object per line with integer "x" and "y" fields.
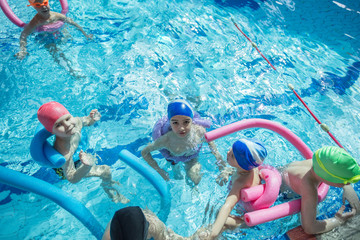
{"x": 43, "y": 17}
{"x": 67, "y": 130}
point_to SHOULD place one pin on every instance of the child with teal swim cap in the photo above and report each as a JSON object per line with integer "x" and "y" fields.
{"x": 333, "y": 166}
{"x": 179, "y": 137}
{"x": 246, "y": 155}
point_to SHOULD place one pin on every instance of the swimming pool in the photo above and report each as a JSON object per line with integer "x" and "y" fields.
{"x": 146, "y": 53}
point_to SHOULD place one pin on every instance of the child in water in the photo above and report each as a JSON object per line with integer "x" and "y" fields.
{"x": 67, "y": 130}
{"x": 43, "y": 17}
{"x": 181, "y": 142}
{"x": 333, "y": 166}
{"x": 133, "y": 223}
{"x": 246, "y": 155}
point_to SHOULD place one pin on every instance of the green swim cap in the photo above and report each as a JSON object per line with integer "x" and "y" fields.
{"x": 336, "y": 165}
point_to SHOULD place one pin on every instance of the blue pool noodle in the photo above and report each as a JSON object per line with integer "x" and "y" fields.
{"x": 42, "y": 151}
{"x": 153, "y": 177}
{"x": 70, "y": 204}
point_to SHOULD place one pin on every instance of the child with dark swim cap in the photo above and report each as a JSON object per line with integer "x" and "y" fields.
{"x": 333, "y": 166}
{"x": 133, "y": 223}
{"x": 246, "y": 155}
{"x": 43, "y": 17}
{"x": 67, "y": 130}
{"x": 179, "y": 137}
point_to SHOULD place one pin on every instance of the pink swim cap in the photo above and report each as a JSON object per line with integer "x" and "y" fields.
{"x": 49, "y": 113}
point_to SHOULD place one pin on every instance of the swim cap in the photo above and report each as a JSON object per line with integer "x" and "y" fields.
{"x": 49, "y": 113}
{"x": 249, "y": 153}
{"x": 129, "y": 223}
{"x": 179, "y": 107}
{"x": 336, "y": 165}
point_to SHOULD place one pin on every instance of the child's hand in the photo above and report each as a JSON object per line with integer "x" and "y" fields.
{"x": 21, "y": 55}
{"x": 163, "y": 174}
{"x": 343, "y": 217}
{"x": 89, "y": 36}
{"x": 87, "y": 159}
{"x": 350, "y": 195}
{"x": 223, "y": 177}
{"x": 95, "y": 115}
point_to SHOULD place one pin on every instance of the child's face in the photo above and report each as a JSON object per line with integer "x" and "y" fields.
{"x": 65, "y": 126}
{"x": 181, "y": 125}
{"x": 42, "y": 7}
{"x": 231, "y": 159}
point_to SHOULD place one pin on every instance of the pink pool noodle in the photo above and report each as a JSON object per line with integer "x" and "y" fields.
{"x": 261, "y": 123}
{"x": 281, "y": 210}
{"x": 271, "y": 191}
{"x": 252, "y": 193}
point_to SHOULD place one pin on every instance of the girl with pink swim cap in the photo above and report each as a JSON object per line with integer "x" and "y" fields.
{"x": 67, "y": 130}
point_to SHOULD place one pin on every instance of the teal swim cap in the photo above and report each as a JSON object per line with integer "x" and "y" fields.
{"x": 336, "y": 165}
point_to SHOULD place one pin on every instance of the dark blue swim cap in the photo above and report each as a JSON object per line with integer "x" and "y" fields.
{"x": 249, "y": 153}
{"x": 179, "y": 107}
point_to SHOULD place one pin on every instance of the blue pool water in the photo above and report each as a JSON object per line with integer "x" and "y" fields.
{"x": 146, "y": 53}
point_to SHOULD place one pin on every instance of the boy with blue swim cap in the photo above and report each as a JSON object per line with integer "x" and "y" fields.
{"x": 179, "y": 137}
{"x": 333, "y": 166}
{"x": 249, "y": 153}
{"x": 246, "y": 155}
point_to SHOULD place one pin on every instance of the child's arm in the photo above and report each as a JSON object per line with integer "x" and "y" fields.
{"x": 230, "y": 202}
{"x": 220, "y": 162}
{"x": 71, "y": 22}
{"x": 225, "y": 171}
{"x": 146, "y": 154}
{"x": 310, "y": 225}
{"x": 23, "y": 39}
{"x": 350, "y": 195}
{"x": 93, "y": 117}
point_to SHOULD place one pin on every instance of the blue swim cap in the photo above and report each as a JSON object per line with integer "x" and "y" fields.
{"x": 179, "y": 107}
{"x": 249, "y": 153}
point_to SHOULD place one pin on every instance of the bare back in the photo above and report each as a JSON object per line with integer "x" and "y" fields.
{"x": 294, "y": 174}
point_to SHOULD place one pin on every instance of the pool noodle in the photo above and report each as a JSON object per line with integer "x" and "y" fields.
{"x": 153, "y": 177}
{"x": 10, "y": 14}
{"x": 45, "y": 189}
{"x": 261, "y": 123}
{"x": 281, "y": 210}
{"x": 273, "y": 181}
{"x": 252, "y": 193}
{"x": 42, "y": 151}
